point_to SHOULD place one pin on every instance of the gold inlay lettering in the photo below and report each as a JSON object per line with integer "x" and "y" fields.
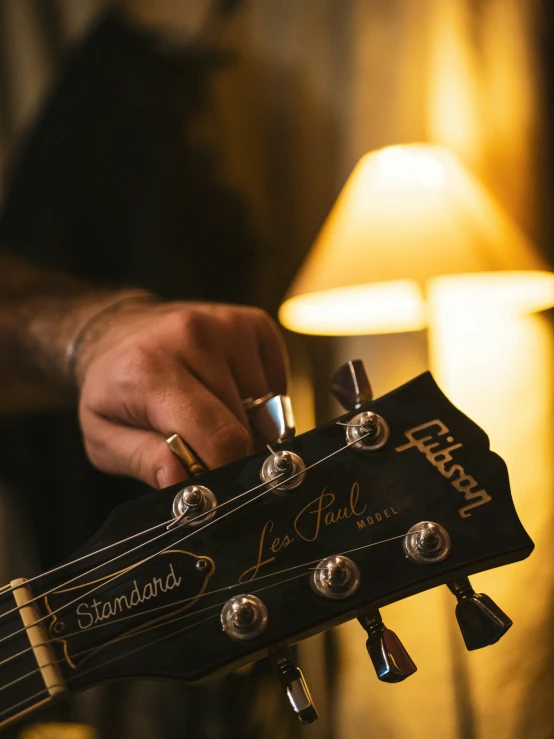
{"x": 319, "y": 514}
{"x": 440, "y": 456}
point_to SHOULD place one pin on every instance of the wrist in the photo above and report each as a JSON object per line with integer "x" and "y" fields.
{"x": 100, "y": 313}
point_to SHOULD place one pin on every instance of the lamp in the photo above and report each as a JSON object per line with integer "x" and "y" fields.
{"x": 407, "y": 215}
{"x": 415, "y": 241}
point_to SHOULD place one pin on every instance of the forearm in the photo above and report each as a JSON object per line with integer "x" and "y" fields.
{"x": 41, "y": 314}
{"x": 141, "y": 370}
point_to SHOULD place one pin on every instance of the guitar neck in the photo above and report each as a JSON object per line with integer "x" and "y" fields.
{"x": 29, "y": 675}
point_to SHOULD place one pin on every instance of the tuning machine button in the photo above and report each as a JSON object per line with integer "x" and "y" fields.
{"x": 391, "y": 660}
{"x": 427, "y": 543}
{"x": 480, "y": 620}
{"x": 350, "y": 385}
{"x": 336, "y": 577}
{"x": 244, "y": 617}
{"x": 283, "y": 470}
{"x": 271, "y": 417}
{"x": 294, "y": 683}
{"x": 194, "y": 505}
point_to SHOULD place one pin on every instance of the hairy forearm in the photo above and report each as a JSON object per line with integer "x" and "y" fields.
{"x": 41, "y": 313}
{"x": 140, "y": 369}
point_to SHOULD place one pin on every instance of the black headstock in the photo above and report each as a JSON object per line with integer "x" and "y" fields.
{"x": 399, "y": 495}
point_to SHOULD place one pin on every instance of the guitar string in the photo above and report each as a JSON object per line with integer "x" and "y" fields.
{"x": 195, "y": 613}
{"x": 129, "y": 652}
{"x": 45, "y": 692}
{"x": 29, "y": 580}
{"x": 170, "y": 522}
{"x": 122, "y": 572}
{"x": 179, "y": 541}
{"x": 119, "y": 556}
{"x": 136, "y": 633}
{"x": 180, "y": 631}
{"x": 191, "y": 598}
{"x": 175, "y": 633}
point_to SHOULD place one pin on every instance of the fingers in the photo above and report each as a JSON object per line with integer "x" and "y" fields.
{"x": 177, "y": 403}
{"x": 122, "y": 450}
{"x": 258, "y": 363}
{"x": 273, "y": 355}
{"x": 184, "y": 371}
{"x": 224, "y": 347}
{"x": 189, "y": 409}
{"x": 219, "y": 380}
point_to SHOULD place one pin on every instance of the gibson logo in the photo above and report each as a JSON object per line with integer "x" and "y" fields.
{"x": 94, "y": 612}
{"x": 440, "y": 457}
{"x": 310, "y": 521}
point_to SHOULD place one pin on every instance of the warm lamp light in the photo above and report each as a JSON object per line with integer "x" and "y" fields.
{"x": 414, "y": 240}
{"x": 408, "y": 214}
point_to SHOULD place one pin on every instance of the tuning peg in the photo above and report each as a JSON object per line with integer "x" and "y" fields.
{"x": 480, "y": 620}
{"x": 294, "y": 683}
{"x": 350, "y": 385}
{"x": 391, "y": 660}
{"x": 271, "y": 417}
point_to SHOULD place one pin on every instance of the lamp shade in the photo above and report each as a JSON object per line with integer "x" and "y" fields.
{"x": 408, "y": 214}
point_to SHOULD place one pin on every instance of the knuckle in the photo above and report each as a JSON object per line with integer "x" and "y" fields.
{"x": 190, "y": 324}
{"x": 262, "y": 316}
{"x": 265, "y": 325}
{"x": 249, "y": 320}
{"x": 135, "y": 365}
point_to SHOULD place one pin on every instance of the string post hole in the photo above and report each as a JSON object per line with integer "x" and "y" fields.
{"x": 285, "y": 467}
{"x": 427, "y": 543}
{"x": 194, "y": 505}
{"x": 336, "y": 577}
{"x": 244, "y": 617}
{"x": 367, "y": 431}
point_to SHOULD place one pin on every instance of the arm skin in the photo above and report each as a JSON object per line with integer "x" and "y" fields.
{"x": 144, "y": 369}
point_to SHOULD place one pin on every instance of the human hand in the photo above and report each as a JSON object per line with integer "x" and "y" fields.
{"x": 154, "y": 369}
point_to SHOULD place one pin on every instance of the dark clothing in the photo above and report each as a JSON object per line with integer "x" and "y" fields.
{"x": 112, "y": 186}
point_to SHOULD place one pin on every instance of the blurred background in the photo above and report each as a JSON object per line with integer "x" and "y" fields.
{"x": 195, "y": 148}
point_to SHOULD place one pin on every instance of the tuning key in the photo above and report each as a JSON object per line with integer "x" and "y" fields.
{"x": 350, "y": 385}
{"x": 272, "y": 418}
{"x": 294, "y": 683}
{"x": 391, "y": 660}
{"x": 480, "y": 620}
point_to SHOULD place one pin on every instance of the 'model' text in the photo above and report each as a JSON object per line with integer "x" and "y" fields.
{"x": 315, "y": 517}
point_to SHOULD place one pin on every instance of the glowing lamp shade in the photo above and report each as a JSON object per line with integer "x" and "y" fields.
{"x": 406, "y": 215}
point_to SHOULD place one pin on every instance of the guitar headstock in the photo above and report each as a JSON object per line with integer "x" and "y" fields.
{"x": 398, "y": 495}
